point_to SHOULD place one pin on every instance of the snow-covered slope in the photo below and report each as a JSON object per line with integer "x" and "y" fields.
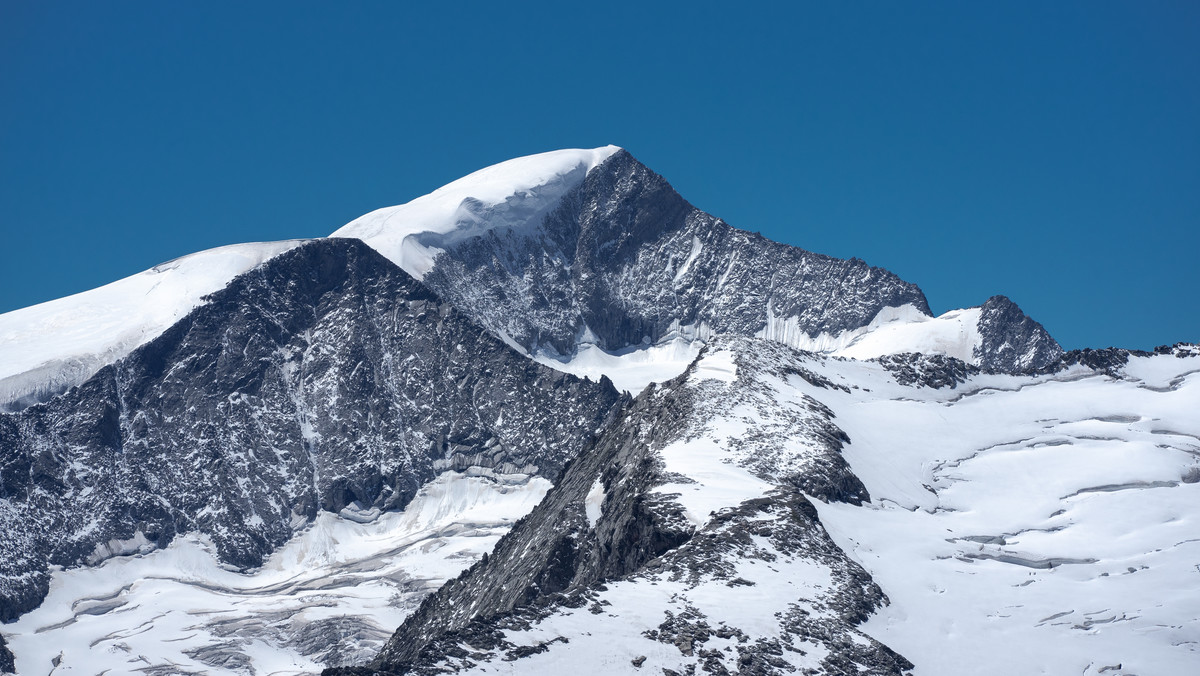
{"x": 47, "y": 348}
{"x": 1059, "y": 513}
{"x": 587, "y": 258}
{"x": 518, "y": 193}
{"x": 331, "y": 596}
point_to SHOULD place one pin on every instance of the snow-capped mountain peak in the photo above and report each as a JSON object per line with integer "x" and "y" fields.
{"x": 49, "y": 347}
{"x": 515, "y": 193}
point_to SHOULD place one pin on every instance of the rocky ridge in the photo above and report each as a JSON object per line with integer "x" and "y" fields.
{"x": 574, "y": 558}
{"x": 326, "y": 379}
{"x": 624, "y": 260}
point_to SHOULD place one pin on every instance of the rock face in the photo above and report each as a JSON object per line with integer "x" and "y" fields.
{"x": 325, "y": 379}
{"x": 624, "y": 260}
{"x": 6, "y": 659}
{"x": 1012, "y": 342}
{"x": 618, "y": 540}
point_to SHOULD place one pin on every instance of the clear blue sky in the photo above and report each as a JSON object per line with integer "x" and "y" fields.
{"x": 1046, "y": 151}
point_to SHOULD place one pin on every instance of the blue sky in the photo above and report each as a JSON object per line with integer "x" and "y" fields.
{"x": 1046, "y": 151}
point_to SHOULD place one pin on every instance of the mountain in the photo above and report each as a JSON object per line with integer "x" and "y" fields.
{"x": 269, "y": 458}
{"x": 325, "y": 379}
{"x": 723, "y": 525}
{"x": 585, "y": 259}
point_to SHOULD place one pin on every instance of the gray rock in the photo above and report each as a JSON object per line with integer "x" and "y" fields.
{"x": 625, "y": 257}
{"x": 1012, "y": 342}
{"x": 7, "y": 665}
{"x": 327, "y": 377}
{"x": 554, "y": 559}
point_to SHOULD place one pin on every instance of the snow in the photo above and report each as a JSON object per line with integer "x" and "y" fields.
{"x": 715, "y": 483}
{"x": 607, "y": 642}
{"x": 132, "y": 613}
{"x": 893, "y": 330}
{"x": 632, "y": 369}
{"x": 49, "y": 347}
{"x": 718, "y": 365}
{"x": 1047, "y": 513}
{"x": 712, "y": 481}
{"x": 954, "y": 334}
{"x": 697, "y": 247}
{"x": 517, "y": 194}
{"x": 1050, "y": 514}
{"x": 593, "y": 503}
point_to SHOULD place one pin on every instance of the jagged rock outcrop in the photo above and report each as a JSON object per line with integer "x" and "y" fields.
{"x": 1011, "y": 341}
{"x": 323, "y": 379}
{"x": 927, "y": 370}
{"x": 618, "y": 517}
{"x": 624, "y": 259}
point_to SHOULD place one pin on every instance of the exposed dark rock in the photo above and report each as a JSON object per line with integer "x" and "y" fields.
{"x": 1111, "y": 360}
{"x": 1012, "y": 342}
{"x": 555, "y": 560}
{"x": 625, "y": 257}
{"x": 324, "y": 378}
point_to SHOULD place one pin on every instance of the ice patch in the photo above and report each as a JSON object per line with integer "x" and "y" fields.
{"x": 631, "y": 370}
{"x": 954, "y": 334}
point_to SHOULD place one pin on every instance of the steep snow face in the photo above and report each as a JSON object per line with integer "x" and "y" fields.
{"x": 953, "y": 334}
{"x": 47, "y": 348}
{"x": 893, "y": 330}
{"x": 331, "y": 596}
{"x": 517, "y": 194}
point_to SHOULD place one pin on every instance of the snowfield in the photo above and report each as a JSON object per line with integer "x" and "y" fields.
{"x": 1033, "y": 525}
{"x": 333, "y": 595}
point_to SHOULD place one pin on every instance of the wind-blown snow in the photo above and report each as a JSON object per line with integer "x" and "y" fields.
{"x": 334, "y": 593}
{"x": 894, "y": 330}
{"x": 517, "y": 193}
{"x": 47, "y": 348}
